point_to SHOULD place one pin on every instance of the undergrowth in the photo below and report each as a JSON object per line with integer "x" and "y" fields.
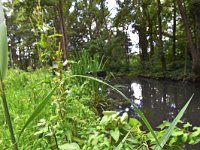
{"x": 69, "y": 120}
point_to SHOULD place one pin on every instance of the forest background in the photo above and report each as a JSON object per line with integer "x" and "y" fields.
{"x": 167, "y": 31}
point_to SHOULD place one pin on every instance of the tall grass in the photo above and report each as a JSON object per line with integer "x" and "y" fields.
{"x": 24, "y": 92}
{"x": 3, "y": 71}
{"x": 86, "y": 64}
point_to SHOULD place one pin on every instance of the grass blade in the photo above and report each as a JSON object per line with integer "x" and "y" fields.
{"x": 170, "y": 129}
{"x": 3, "y": 44}
{"x": 7, "y": 115}
{"x": 144, "y": 119}
{"x": 38, "y": 110}
{"x": 3, "y": 71}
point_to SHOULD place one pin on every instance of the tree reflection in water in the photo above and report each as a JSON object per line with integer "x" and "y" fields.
{"x": 159, "y": 100}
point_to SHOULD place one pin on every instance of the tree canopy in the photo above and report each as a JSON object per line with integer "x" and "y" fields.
{"x": 168, "y": 31}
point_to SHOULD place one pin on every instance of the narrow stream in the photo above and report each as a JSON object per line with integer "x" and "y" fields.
{"x": 158, "y": 100}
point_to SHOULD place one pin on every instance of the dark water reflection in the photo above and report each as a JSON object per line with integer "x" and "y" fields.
{"x": 159, "y": 100}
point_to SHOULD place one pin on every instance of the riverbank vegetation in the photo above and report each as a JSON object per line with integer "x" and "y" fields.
{"x": 70, "y": 118}
{"x": 61, "y": 59}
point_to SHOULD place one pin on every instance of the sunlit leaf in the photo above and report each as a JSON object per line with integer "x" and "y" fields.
{"x": 108, "y": 113}
{"x": 134, "y": 122}
{"x": 70, "y": 146}
{"x": 187, "y": 125}
{"x": 185, "y": 137}
{"x": 115, "y": 134}
{"x": 177, "y": 132}
{"x": 124, "y": 117}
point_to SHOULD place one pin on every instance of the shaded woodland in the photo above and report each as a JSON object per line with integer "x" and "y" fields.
{"x": 168, "y": 33}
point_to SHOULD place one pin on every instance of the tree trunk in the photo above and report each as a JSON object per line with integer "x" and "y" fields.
{"x": 142, "y": 31}
{"x": 160, "y": 41}
{"x": 196, "y": 57}
{"x": 127, "y": 50}
{"x": 151, "y": 37}
{"x": 195, "y": 51}
{"x": 143, "y": 42}
{"x": 64, "y": 40}
{"x": 174, "y": 32}
{"x": 102, "y": 3}
{"x": 186, "y": 26}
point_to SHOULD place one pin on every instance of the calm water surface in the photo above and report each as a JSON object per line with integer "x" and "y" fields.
{"x": 159, "y": 100}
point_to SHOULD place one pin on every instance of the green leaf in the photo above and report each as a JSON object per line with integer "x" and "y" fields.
{"x": 187, "y": 125}
{"x": 172, "y": 141}
{"x": 115, "y": 134}
{"x": 191, "y": 141}
{"x": 177, "y": 132}
{"x": 185, "y": 137}
{"x": 170, "y": 129}
{"x": 164, "y": 124}
{"x": 3, "y": 45}
{"x": 70, "y": 146}
{"x": 119, "y": 147}
{"x": 109, "y": 113}
{"x": 124, "y": 117}
{"x": 195, "y": 133}
{"x": 134, "y": 122}
{"x": 196, "y": 129}
{"x": 142, "y": 116}
{"x": 38, "y": 110}
{"x": 197, "y": 140}
{"x": 105, "y": 120}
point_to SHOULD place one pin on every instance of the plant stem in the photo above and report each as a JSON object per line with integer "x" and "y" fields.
{"x": 7, "y": 115}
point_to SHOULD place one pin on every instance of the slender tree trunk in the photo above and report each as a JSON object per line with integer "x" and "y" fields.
{"x": 151, "y": 38}
{"x": 196, "y": 59}
{"x": 162, "y": 55}
{"x": 174, "y": 32}
{"x": 195, "y": 51}
{"x": 186, "y": 57}
{"x": 102, "y": 3}
{"x": 127, "y": 50}
{"x": 64, "y": 40}
{"x": 143, "y": 42}
{"x": 186, "y": 26}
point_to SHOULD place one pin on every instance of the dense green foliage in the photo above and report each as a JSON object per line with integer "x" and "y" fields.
{"x": 162, "y": 32}
{"x": 69, "y": 118}
{"x": 54, "y": 105}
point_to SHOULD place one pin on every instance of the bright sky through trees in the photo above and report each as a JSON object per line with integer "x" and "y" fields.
{"x": 112, "y": 6}
{"x": 113, "y": 9}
